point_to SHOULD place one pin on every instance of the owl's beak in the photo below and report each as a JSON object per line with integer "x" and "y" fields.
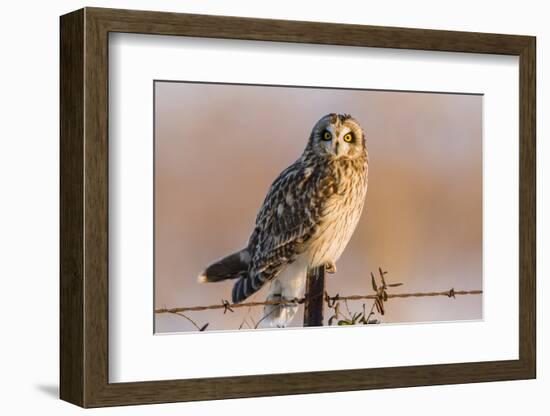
{"x": 336, "y": 148}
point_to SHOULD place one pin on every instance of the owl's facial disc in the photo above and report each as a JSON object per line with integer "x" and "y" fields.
{"x": 337, "y": 136}
{"x": 338, "y": 141}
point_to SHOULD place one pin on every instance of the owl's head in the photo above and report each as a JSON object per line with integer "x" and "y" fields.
{"x": 337, "y": 136}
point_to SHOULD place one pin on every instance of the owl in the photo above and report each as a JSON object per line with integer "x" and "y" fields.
{"x": 306, "y": 220}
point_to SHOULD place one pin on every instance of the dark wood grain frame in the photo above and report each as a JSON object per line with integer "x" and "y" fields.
{"x": 84, "y": 207}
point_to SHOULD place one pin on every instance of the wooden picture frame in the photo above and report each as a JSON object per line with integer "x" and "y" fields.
{"x": 84, "y": 207}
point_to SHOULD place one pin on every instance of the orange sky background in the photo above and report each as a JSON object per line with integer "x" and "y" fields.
{"x": 219, "y": 147}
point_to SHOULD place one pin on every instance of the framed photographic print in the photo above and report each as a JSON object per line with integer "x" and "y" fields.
{"x": 255, "y": 207}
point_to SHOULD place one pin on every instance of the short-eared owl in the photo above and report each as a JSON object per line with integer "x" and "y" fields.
{"x": 306, "y": 220}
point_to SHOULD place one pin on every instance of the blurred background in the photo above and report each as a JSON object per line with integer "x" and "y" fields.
{"x": 219, "y": 147}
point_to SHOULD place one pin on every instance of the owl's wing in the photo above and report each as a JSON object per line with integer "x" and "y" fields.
{"x": 289, "y": 217}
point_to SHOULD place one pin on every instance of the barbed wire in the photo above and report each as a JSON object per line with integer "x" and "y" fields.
{"x": 226, "y": 306}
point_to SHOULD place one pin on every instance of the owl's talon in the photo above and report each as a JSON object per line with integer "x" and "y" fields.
{"x": 278, "y": 315}
{"x": 289, "y": 302}
{"x": 330, "y": 268}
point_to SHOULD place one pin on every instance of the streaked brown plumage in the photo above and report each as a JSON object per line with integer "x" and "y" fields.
{"x": 306, "y": 220}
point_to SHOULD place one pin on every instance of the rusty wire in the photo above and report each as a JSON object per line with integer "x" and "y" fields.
{"x": 226, "y": 306}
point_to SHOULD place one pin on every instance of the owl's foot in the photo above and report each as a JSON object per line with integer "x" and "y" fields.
{"x": 330, "y": 268}
{"x": 278, "y": 315}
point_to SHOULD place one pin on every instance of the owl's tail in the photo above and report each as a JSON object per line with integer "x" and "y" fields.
{"x": 231, "y": 267}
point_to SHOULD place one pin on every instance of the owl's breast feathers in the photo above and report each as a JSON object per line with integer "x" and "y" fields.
{"x": 311, "y": 208}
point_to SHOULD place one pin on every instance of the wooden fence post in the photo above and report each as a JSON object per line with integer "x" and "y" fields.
{"x": 315, "y": 292}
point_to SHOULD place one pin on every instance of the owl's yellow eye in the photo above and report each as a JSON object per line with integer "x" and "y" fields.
{"x": 348, "y": 138}
{"x": 327, "y": 135}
